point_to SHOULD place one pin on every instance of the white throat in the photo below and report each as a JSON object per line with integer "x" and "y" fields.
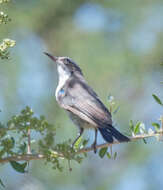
{"x": 63, "y": 77}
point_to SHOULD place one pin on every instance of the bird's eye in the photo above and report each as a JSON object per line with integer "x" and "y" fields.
{"x": 67, "y": 61}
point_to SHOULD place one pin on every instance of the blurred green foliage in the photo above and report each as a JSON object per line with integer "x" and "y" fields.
{"x": 7, "y": 43}
{"x": 122, "y": 57}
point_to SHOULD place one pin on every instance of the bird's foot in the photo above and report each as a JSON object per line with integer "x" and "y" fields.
{"x": 94, "y": 147}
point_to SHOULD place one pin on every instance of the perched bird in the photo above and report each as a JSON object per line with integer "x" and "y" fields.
{"x": 82, "y": 104}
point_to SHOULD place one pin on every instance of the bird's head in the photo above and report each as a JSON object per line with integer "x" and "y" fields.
{"x": 65, "y": 65}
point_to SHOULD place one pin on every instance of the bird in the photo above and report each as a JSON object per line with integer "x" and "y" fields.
{"x": 81, "y": 102}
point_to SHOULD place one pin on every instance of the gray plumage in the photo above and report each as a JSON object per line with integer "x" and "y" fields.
{"x": 82, "y": 104}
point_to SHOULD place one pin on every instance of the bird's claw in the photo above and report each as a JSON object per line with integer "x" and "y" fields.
{"x": 94, "y": 147}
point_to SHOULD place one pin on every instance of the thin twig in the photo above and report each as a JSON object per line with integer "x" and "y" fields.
{"x": 28, "y": 157}
{"x": 24, "y": 157}
{"x": 132, "y": 139}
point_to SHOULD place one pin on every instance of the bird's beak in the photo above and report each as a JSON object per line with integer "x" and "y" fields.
{"x": 54, "y": 58}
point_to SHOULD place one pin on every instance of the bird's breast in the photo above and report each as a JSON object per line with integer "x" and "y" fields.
{"x": 80, "y": 122}
{"x": 60, "y": 92}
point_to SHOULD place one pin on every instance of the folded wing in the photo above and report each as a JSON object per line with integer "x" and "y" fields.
{"x": 81, "y": 100}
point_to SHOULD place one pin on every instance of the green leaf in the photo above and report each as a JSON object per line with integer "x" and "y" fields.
{"x": 108, "y": 155}
{"x": 103, "y": 151}
{"x": 19, "y": 167}
{"x": 156, "y": 126}
{"x": 1, "y": 183}
{"x": 145, "y": 142}
{"x": 157, "y": 99}
{"x": 77, "y": 143}
{"x": 22, "y": 148}
{"x": 115, "y": 155}
{"x": 131, "y": 124}
{"x": 136, "y": 128}
{"x": 85, "y": 142}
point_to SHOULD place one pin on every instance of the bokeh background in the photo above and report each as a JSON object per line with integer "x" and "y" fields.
{"x": 119, "y": 46}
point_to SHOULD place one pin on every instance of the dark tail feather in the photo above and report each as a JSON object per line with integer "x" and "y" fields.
{"x": 109, "y": 132}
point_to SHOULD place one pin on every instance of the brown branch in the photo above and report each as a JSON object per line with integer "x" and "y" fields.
{"x": 28, "y": 157}
{"x": 24, "y": 157}
{"x": 132, "y": 139}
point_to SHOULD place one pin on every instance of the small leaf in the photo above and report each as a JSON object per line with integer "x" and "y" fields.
{"x": 1, "y": 183}
{"x": 145, "y": 142}
{"x": 19, "y": 167}
{"x": 156, "y": 126}
{"x": 157, "y": 99}
{"x": 103, "y": 151}
{"x": 85, "y": 142}
{"x": 115, "y": 155}
{"x": 136, "y": 128}
{"x": 22, "y": 148}
{"x": 77, "y": 143}
{"x": 131, "y": 124}
{"x": 108, "y": 155}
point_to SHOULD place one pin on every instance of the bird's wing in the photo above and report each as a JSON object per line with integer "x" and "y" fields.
{"x": 81, "y": 100}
